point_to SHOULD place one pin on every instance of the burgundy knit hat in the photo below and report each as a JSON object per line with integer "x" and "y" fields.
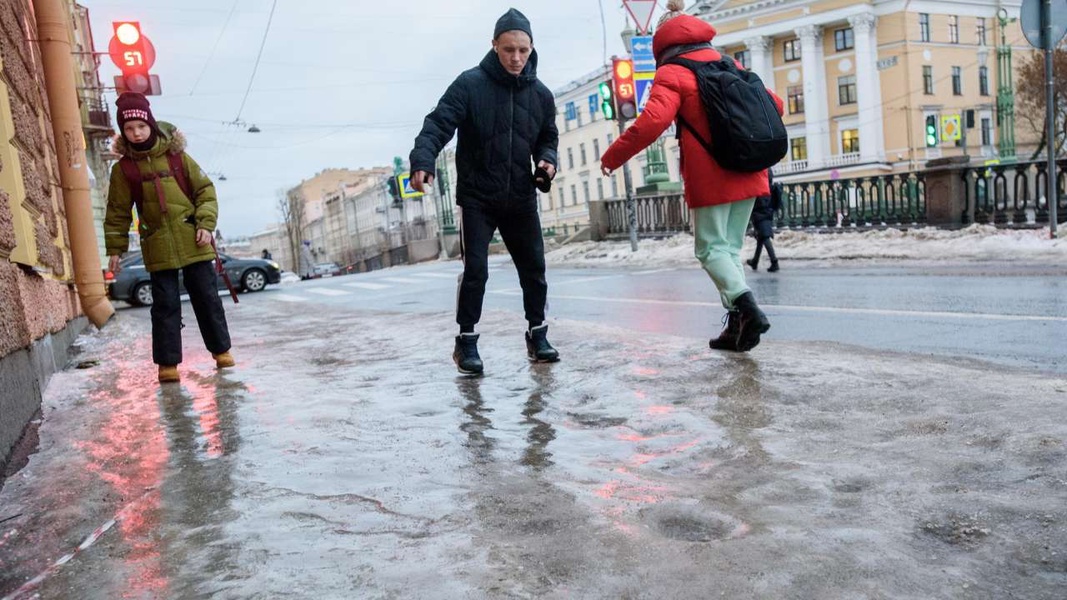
{"x": 133, "y": 106}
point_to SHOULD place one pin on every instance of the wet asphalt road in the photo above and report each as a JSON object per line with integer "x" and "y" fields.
{"x": 344, "y": 458}
{"x": 1011, "y": 315}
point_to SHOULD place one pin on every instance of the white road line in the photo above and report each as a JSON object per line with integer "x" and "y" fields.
{"x": 452, "y": 276}
{"x": 813, "y": 309}
{"x": 367, "y": 286}
{"x": 328, "y": 291}
{"x": 653, "y": 271}
{"x": 400, "y": 280}
{"x": 288, "y": 298}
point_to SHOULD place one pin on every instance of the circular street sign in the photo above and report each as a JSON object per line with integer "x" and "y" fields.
{"x": 1030, "y": 14}
{"x": 132, "y": 59}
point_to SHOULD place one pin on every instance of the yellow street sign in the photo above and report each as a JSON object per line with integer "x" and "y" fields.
{"x": 950, "y": 128}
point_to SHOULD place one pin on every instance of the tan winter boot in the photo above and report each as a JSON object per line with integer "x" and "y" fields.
{"x": 224, "y": 360}
{"x": 168, "y": 374}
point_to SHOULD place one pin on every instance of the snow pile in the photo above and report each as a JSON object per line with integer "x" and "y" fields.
{"x": 975, "y": 243}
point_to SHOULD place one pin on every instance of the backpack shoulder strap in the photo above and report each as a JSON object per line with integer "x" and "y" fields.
{"x": 134, "y": 180}
{"x": 177, "y": 171}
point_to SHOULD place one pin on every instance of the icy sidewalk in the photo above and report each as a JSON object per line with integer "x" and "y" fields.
{"x": 344, "y": 458}
{"x": 976, "y": 243}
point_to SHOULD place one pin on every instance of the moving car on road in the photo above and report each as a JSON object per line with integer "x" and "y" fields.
{"x": 133, "y": 284}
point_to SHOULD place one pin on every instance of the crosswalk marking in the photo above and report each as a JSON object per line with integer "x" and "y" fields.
{"x": 368, "y": 286}
{"x": 400, "y": 280}
{"x": 652, "y": 271}
{"x": 328, "y": 292}
{"x": 437, "y": 275}
{"x": 288, "y": 298}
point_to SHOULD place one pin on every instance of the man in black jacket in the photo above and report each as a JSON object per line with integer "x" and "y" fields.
{"x": 507, "y": 122}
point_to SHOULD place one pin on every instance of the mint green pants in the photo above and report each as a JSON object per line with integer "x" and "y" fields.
{"x": 720, "y": 232}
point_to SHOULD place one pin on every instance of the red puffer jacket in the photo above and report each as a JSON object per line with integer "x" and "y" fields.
{"x": 674, "y": 92}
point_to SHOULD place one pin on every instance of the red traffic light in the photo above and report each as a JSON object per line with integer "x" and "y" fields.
{"x": 130, "y": 50}
{"x": 622, "y": 74}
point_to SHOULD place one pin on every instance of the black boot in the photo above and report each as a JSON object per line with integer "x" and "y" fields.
{"x": 466, "y": 354}
{"x": 752, "y": 262}
{"x": 727, "y": 340}
{"x": 773, "y": 268}
{"x": 537, "y": 347}
{"x": 753, "y": 322}
{"x": 774, "y": 258}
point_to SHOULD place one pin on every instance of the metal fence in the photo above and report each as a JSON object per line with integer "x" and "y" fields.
{"x": 868, "y": 202}
{"x": 865, "y": 202}
{"x": 1013, "y": 194}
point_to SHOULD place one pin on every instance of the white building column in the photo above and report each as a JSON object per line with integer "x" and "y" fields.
{"x": 868, "y": 88}
{"x": 816, "y": 109}
{"x": 759, "y": 51}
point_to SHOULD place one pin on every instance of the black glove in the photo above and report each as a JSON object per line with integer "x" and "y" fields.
{"x": 542, "y": 180}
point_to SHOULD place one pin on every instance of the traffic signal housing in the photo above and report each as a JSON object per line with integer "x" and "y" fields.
{"x": 607, "y": 101}
{"x": 134, "y": 55}
{"x": 622, "y": 78}
{"x": 932, "y": 134}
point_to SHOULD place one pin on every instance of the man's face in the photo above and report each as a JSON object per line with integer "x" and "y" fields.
{"x": 137, "y": 132}
{"x": 513, "y": 48}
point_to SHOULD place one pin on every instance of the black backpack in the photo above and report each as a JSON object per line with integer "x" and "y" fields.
{"x": 749, "y": 133}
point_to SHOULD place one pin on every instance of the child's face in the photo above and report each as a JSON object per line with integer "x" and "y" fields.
{"x": 136, "y": 131}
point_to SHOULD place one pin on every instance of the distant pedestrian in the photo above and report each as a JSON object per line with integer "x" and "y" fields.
{"x": 763, "y": 224}
{"x": 266, "y": 255}
{"x": 507, "y": 125}
{"x": 306, "y": 261}
{"x": 721, "y": 199}
{"x": 177, "y": 209}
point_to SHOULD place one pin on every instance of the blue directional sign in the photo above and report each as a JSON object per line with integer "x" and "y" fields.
{"x": 644, "y": 59}
{"x": 406, "y": 191}
{"x": 643, "y": 85}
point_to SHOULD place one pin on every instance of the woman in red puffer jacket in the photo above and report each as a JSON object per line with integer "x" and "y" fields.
{"x": 721, "y": 200}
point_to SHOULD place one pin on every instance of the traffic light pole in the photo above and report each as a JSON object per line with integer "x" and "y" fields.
{"x": 631, "y": 204}
{"x": 1052, "y": 196}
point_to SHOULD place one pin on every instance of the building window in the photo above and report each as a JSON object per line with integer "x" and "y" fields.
{"x": 562, "y": 197}
{"x": 570, "y": 158}
{"x": 983, "y": 81}
{"x": 796, "y": 99}
{"x": 846, "y": 90}
{"x": 585, "y": 190}
{"x": 574, "y": 195}
{"x": 614, "y": 187}
{"x": 850, "y": 141}
{"x": 799, "y": 148}
{"x": 980, "y": 31}
{"x": 596, "y": 149}
{"x": 581, "y": 151}
{"x": 924, "y": 27}
{"x": 987, "y": 131}
{"x": 957, "y": 81}
{"x": 792, "y": 50}
{"x": 610, "y": 139}
{"x": 844, "y": 39}
{"x": 599, "y": 188}
{"x": 953, "y": 29}
{"x": 578, "y": 115}
{"x": 743, "y": 57}
{"x": 928, "y": 80}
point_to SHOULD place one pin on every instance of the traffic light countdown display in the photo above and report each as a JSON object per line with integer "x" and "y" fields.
{"x": 134, "y": 55}
{"x": 622, "y": 77}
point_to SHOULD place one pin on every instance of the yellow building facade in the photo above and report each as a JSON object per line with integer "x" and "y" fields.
{"x": 861, "y": 80}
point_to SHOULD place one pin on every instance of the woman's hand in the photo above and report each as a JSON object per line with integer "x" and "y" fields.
{"x": 203, "y": 237}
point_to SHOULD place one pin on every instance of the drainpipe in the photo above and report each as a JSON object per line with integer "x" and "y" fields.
{"x": 56, "y": 52}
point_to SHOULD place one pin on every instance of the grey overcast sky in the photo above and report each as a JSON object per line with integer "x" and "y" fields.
{"x": 341, "y": 83}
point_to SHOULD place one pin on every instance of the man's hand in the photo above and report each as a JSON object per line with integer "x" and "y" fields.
{"x": 419, "y": 179}
{"x": 604, "y": 170}
{"x": 548, "y": 167}
{"x": 113, "y": 265}
{"x": 203, "y": 237}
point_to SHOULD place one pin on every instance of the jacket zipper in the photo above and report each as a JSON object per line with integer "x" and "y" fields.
{"x": 511, "y": 141}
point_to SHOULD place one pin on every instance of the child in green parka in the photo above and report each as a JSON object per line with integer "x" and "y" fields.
{"x": 175, "y": 229}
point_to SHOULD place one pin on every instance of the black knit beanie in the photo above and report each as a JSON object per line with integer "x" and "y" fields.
{"x": 513, "y": 20}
